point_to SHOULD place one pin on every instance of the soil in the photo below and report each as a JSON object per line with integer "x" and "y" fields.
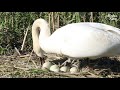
{"x": 26, "y": 66}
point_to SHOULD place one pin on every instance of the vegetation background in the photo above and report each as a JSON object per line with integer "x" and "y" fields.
{"x": 13, "y": 25}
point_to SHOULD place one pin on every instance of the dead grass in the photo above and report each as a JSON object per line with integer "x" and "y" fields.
{"x": 22, "y": 67}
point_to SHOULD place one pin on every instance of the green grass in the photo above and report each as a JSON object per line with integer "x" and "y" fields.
{"x": 19, "y": 67}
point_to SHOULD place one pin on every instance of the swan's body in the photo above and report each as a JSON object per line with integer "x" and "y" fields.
{"x": 77, "y": 40}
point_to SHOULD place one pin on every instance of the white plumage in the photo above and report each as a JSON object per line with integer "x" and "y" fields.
{"x": 77, "y": 40}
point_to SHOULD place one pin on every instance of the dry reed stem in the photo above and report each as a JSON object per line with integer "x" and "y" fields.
{"x": 53, "y": 24}
{"x": 93, "y": 75}
{"x": 49, "y": 21}
{"x": 17, "y": 51}
{"x": 58, "y": 21}
{"x": 21, "y": 68}
{"x": 24, "y": 39}
{"x": 21, "y": 56}
{"x": 84, "y": 18}
{"x": 30, "y": 56}
{"x": 91, "y": 16}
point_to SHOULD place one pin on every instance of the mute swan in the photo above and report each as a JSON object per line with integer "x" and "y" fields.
{"x": 76, "y": 40}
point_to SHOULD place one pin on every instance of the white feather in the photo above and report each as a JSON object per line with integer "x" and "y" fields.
{"x": 77, "y": 40}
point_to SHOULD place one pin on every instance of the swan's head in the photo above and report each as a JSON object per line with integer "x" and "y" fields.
{"x": 41, "y": 23}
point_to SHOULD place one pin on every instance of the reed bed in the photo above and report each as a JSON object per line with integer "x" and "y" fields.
{"x": 14, "y": 25}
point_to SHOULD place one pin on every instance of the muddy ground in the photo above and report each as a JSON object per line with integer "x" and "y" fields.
{"x": 26, "y": 66}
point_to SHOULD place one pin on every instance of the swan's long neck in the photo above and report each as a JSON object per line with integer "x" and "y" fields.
{"x": 40, "y": 32}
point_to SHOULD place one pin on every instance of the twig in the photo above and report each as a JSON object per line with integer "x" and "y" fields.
{"x": 21, "y": 68}
{"x": 49, "y": 21}
{"x": 92, "y": 74}
{"x": 17, "y": 51}
{"x": 53, "y": 20}
{"x": 24, "y": 39}
{"x": 91, "y": 17}
{"x": 32, "y": 60}
{"x": 30, "y": 56}
{"x": 84, "y": 17}
{"x": 58, "y": 20}
{"x": 21, "y": 56}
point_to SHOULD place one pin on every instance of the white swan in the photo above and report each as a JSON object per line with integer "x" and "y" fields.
{"x": 77, "y": 40}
